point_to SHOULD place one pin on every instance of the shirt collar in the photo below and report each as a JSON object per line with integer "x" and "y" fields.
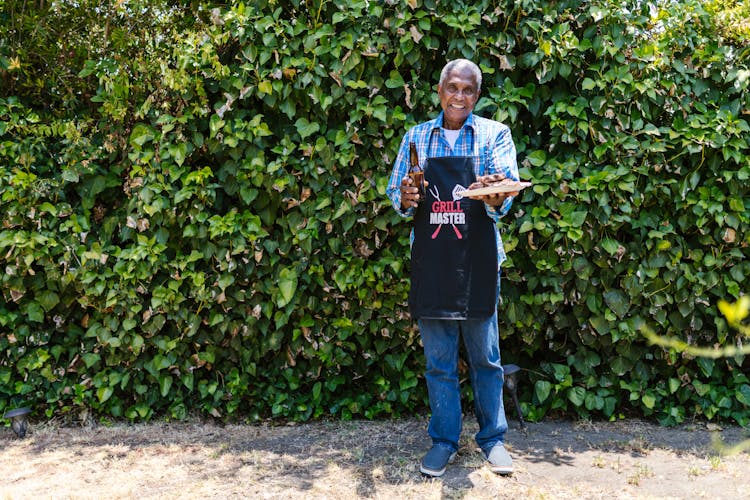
{"x": 470, "y": 122}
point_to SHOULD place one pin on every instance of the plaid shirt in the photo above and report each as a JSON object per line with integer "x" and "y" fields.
{"x": 493, "y": 145}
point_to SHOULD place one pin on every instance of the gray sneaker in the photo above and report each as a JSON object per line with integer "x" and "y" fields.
{"x": 499, "y": 459}
{"x": 436, "y": 461}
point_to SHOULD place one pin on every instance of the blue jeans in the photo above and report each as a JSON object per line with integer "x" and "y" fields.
{"x": 481, "y": 339}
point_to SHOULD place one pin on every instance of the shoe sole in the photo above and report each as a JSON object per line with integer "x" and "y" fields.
{"x": 503, "y": 471}
{"x": 435, "y": 473}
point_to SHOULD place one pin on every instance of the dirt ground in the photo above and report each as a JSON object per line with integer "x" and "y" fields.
{"x": 362, "y": 459}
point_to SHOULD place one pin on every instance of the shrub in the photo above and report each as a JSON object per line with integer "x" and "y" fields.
{"x": 205, "y": 227}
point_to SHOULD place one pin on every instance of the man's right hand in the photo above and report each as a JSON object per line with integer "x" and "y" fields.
{"x": 409, "y": 193}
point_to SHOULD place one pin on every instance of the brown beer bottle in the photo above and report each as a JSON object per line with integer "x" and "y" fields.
{"x": 415, "y": 171}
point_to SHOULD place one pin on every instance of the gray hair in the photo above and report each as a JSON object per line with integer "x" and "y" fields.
{"x": 458, "y": 65}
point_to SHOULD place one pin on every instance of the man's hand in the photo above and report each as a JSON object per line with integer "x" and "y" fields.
{"x": 495, "y": 199}
{"x": 409, "y": 193}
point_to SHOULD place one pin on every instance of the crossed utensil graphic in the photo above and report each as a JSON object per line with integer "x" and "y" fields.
{"x": 456, "y": 196}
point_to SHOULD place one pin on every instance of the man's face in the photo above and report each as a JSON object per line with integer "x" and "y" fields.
{"x": 458, "y": 95}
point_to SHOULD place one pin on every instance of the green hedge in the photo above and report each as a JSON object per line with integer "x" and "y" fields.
{"x": 194, "y": 212}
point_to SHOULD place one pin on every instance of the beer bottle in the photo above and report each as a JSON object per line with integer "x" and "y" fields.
{"x": 415, "y": 171}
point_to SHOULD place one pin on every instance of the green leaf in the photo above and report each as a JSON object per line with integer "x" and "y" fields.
{"x": 178, "y": 152}
{"x": 265, "y": 87}
{"x": 395, "y": 80}
{"x": 188, "y": 380}
{"x": 215, "y": 124}
{"x": 316, "y": 391}
{"x": 542, "y": 390}
{"x": 649, "y": 401}
{"x": 743, "y": 394}
{"x": 287, "y": 286}
{"x": 617, "y": 301}
{"x": 706, "y": 365}
{"x": 104, "y": 393}
{"x": 537, "y": 158}
{"x": 35, "y": 312}
{"x": 610, "y": 245}
{"x": 142, "y": 134}
{"x": 674, "y": 384}
{"x": 165, "y": 383}
{"x": 48, "y": 299}
{"x": 305, "y": 128}
{"x": 90, "y": 359}
{"x": 577, "y": 395}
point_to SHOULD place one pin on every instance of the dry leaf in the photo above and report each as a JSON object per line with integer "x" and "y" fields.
{"x": 505, "y": 63}
{"x": 415, "y": 34}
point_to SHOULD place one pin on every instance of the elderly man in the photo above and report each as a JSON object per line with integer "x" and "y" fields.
{"x": 456, "y": 255}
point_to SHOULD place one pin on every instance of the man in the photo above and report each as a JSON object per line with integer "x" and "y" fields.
{"x": 455, "y": 261}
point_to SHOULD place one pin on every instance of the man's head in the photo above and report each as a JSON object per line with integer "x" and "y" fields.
{"x": 458, "y": 90}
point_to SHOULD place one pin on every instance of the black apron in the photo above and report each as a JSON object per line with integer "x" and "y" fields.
{"x": 454, "y": 255}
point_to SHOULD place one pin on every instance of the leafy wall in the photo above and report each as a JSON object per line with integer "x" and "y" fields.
{"x": 194, "y": 216}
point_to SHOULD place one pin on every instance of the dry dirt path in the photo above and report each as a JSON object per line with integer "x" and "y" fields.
{"x": 555, "y": 460}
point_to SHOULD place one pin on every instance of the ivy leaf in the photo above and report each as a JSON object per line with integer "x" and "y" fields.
{"x": 395, "y": 80}
{"x": 316, "y": 391}
{"x": 537, "y": 158}
{"x": 618, "y": 301}
{"x": 90, "y": 359}
{"x": 305, "y": 128}
{"x": 265, "y": 87}
{"x": 649, "y": 401}
{"x": 48, "y": 299}
{"x": 178, "y": 152}
{"x": 706, "y": 365}
{"x": 674, "y": 384}
{"x": 35, "y": 312}
{"x": 287, "y": 286}
{"x": 610, "y": 245}
{"x": 215, "y": 124}
{"x": 577, "y": 395}
{"x": 743, "y": 394}
{"x": 542, "y": 389}
{"x": 104, "y": 393}
{"x": 142, "y": 134}
{"x": 165, "y": 383}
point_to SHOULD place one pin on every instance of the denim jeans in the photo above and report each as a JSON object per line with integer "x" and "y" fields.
{"x": 481, "y": 339}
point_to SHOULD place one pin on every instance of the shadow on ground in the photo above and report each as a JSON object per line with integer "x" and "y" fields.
{"x": 371, "y": 459}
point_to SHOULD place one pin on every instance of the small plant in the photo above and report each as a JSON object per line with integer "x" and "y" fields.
{"x": 736, "y": 313}
{"x": 716, "y": 462}
{"x": 694, "y": 471}
{"x": 641, "y": 472}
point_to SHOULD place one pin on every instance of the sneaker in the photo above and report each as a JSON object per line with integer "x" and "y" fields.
{"x": 436, "y": 460}
{"x": 499, "y": 459}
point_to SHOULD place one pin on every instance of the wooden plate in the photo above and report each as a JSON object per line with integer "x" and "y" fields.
{"x": 501, "y": 188}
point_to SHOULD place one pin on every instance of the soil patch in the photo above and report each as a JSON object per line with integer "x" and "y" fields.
{"x": 362, "y": 459}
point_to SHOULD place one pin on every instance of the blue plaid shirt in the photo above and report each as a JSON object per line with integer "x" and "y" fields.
{"x": 493, "y": 145}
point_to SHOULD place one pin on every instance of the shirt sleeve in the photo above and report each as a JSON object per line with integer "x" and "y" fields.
{"x": 502, "y": 160}
{"x": 400, "y": 169}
